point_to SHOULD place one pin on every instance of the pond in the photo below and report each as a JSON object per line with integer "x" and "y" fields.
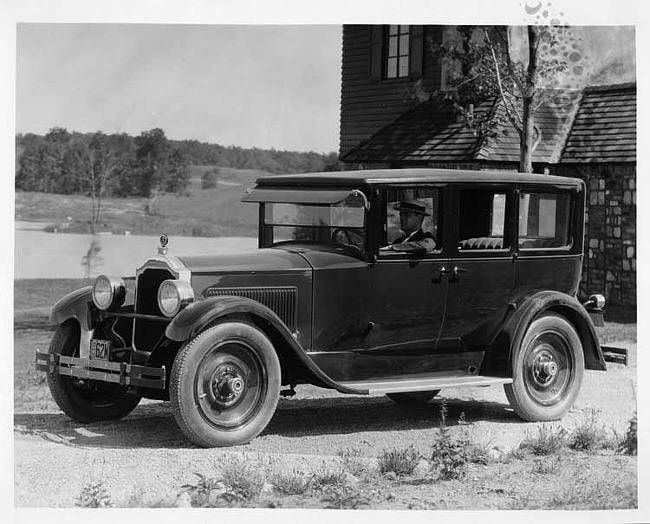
{"x": 50, "y": 255}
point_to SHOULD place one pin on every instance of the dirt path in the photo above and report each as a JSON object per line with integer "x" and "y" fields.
{"x": 146, "y": 455}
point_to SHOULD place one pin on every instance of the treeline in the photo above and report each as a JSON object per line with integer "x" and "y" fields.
{"x": 122, "y": 165}
{"x": 270, "y": 160}
{"x": 100, "y": 165}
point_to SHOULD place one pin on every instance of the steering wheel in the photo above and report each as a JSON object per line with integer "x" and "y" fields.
{"x": 345, "y": 236}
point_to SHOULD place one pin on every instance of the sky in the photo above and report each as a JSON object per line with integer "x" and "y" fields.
{"x": 267, "y": 86}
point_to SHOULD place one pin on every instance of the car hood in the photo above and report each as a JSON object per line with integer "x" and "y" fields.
{"x": 277, "y": 259}
{"x": 261, "y": 260}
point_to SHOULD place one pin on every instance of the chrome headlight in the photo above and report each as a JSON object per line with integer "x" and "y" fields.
{"x": 108, "y": 292}
{"x": 174, "y": 295}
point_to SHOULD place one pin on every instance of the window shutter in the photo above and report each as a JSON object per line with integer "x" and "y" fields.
{"x": 376, "y": 52}
{"x": 417, "y": 50}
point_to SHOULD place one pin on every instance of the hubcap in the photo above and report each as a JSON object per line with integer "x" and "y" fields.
{"x": 227, "y": 385}
{"x": 549, "y": 368}
{"x": 545, "y": 368}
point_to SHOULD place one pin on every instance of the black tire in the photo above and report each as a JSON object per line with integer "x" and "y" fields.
{"x": 85, "y": 400}
{"x": 225, "y": 384}
{"x": 413, "y": 397}
{"x": 547, "y": 370}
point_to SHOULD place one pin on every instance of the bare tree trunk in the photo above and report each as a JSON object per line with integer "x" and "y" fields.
{"x": 526, "y": 147}
{"x": 528, "y": 127}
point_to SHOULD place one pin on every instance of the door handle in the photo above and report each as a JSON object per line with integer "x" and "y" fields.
{"x": 441, "y": 271}
{"x": 454, "y": 273}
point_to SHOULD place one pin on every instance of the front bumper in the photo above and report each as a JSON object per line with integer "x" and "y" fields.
{"x": 115, "y": 372}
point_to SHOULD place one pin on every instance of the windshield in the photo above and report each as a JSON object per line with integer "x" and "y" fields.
{"x": 341, "y": 224}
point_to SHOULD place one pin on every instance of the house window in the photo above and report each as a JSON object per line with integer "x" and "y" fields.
{"x": 398, "y": 45}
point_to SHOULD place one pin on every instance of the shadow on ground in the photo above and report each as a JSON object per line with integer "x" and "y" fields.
{"x": 153, "y": 426}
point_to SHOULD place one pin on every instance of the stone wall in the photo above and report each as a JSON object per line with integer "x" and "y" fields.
{"x": 610, "y": 234}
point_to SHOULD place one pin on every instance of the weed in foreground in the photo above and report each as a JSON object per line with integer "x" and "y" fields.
{"x": 400, "y": 462}
{"x": 549, "y": 440}
{"x": 344, "y": 497}
{"x": 94, "y": 495}
{"x": 449, "y": 456}
{"x": 295, "y": 482}
{"x": 242, "y": 478}
{"x": 205, "y": 492}
{"x": 353, "y": 462}
{"x": 589, "y": 434}
{"x": 327, "y": 476}
{"x": 628, "y": 444}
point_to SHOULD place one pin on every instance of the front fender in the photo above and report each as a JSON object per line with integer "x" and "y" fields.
{"x": 199, "y": 315}
{"x": 74, "y": 305}
{"x": 514, "y": 330}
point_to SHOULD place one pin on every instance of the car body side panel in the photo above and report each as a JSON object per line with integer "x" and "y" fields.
{"x": 554, "y": 272}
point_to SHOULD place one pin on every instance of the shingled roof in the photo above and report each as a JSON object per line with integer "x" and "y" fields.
{"x": 604, "y": 129}
{"x": 596, "y": 125}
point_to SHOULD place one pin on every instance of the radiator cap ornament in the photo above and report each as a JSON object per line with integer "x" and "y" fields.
{"x": 164, "y": 240}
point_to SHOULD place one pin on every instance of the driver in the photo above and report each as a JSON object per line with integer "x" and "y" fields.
{"x": 415, "y": 239}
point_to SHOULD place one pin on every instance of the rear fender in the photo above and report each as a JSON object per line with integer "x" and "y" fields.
{"x": 74, "y": 305}
{"x": 512, "y": 335}
{"x": 200, "y": 315}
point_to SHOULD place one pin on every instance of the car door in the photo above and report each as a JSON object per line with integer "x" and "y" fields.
{"x": 549, "y": 240}
{"x": 481, "y": 268}
{"x": 405, "y": 299}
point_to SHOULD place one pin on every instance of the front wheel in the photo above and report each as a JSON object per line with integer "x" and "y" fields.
{"x": 547, "y": 370}
{"x": 225, "y": 384}
{"x": 85, "y": 400}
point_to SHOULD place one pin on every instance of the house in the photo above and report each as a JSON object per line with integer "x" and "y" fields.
{"x": 389, "y": 119}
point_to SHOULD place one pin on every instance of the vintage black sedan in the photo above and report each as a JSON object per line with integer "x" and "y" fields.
{"x": 396, "y": 282}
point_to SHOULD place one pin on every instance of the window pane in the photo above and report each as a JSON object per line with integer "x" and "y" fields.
{"x": 404, "y": 45}
{"x": 544, "y": 220}
{"x": 427, "y": 197}
{"x": 403, "y": 66}
{"x": 392, "y": 46}
{"x": 391, "y": 69}
{"x": 482, "y": 220}
{"x": 392, "y": 29}
{"x": 404, "y": 29}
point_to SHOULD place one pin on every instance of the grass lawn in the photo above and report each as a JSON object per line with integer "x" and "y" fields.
{"x": 199, "y": 212}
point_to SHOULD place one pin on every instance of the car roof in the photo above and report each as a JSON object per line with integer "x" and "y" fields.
{"x": 411, "y": 176}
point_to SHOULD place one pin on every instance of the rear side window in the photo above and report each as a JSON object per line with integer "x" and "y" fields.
{"x": 482, "y": 220}
{"x": 544, "y": 220}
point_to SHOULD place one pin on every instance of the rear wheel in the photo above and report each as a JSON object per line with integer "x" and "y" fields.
{"x": 225, "y": 385}
{"x": 413, "y": 397}
{"x": 547, "y": 370}
{"x": 85, "y": 400}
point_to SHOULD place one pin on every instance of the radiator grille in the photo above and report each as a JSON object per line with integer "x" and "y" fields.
{"x": 281, "y": 300}
{"x": 146, "y": 333}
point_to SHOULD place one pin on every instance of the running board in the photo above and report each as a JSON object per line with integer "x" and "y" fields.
{"x": 420, "y": 383}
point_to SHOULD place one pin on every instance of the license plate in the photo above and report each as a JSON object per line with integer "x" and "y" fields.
{"x": 100, "y": 349}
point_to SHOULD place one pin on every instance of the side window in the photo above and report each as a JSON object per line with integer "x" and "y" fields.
{"x": 413, "y": 219}
{"x": 482, "y": 220}
{"x": 544, "y": 220}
